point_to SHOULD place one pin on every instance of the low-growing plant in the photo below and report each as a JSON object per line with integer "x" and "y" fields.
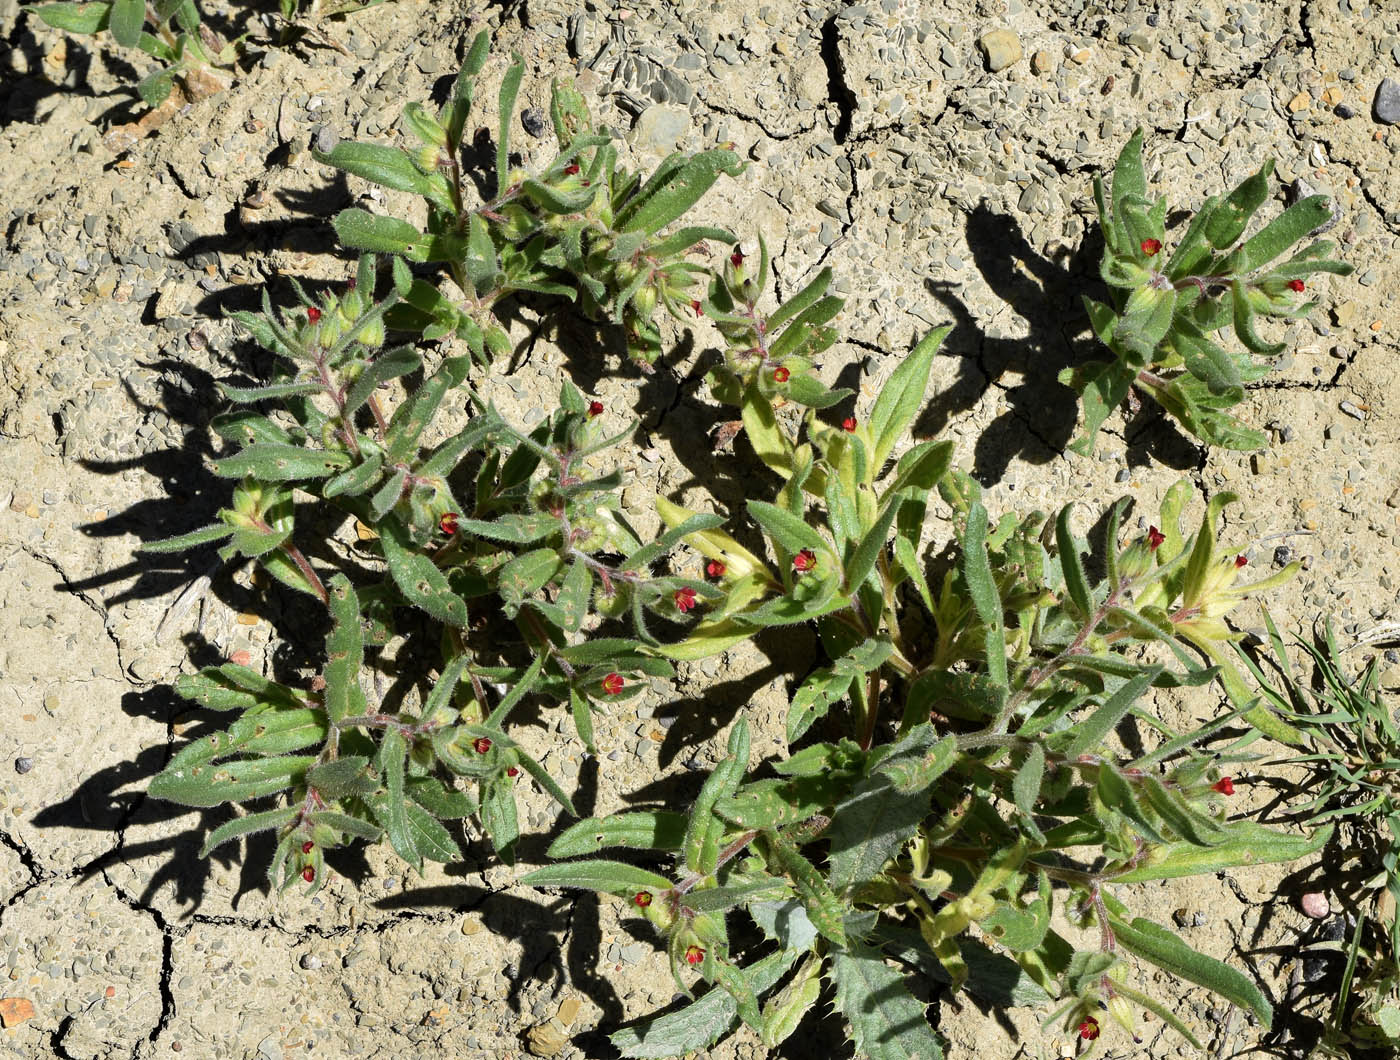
{"x": 171, "y": 32}
{"x": 1168, "y": 302}
{"x": 966, "y": 783}
{"x": 1353, "y": 776}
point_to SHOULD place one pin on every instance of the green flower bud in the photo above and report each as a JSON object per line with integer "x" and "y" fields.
{"x": 644, "y": 301}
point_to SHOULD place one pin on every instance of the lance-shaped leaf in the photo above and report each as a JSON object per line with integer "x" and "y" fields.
{"x": 981, "y": 586}
{"x": 902, "y": 397}
{"x": 887, "y": 1023}
{"x": 76, "y": 18}
{"x": 418, "y": 578}
{"x": 1244, "y": 318}
{"x": 386, "y": 166}
{"x": 234, "y": 687}
{"x": 510, "y": 86}
{"x": 700, "y": 1024}
{"x": 343, "y": 777}
{"x": 363, "y": 230}
{"x": 203, "y": 536}
{"x": 344, "y": 653}
{"x": 1094, "y": 729}
{"x": 870, "y": 827}
{"x": 643, "y": 830}
{"x": 128, "y": 16}
{"x": 346, "y": 824}
{"x": 683, "y": 181}
{"x": 1281, "y": 233}
{"x": 210, "y": 784}
{"x": 598, "y": 874}
{"x": 1248, "y": 844}
{"x": 1228, "y": 220}
{"x": 703, "y": 836}
{"x": 246, "y": 825}
{"x": 823, "y": 906}
{"x": 272, "y": 462}
{"x": 413, "y": 415}
{"x": 390, "y": 808}
{"x": 1152, "y": 942}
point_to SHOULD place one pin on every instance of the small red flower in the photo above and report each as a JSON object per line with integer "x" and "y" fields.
{"x": 781, "y": 374}
{"x": 448, "y": 524}
{"x": 1089, "y": 1029}
{"x": 513, "y": 771}
{"x": 641, "y": 899}
{"x": 1240, "y": 561}
{"x": 1224, "y": 785}
{"x": 737, "y": 258}
{"x": 695, "y": 305}
{"x": 481, "y": 745}
{"x": 694, "y": 955}
{"x": 715, "y": 569}
{"x": 571, "y": 169}
{"x": 1297, "y": 286}
{"x": 612, "y": 684}
{"x": 1155, "y": 538}
{"x": 1150, "y": 246}
{"x": 595, "y": 408}
{"x": 848, "y": 424}
{"x": 685, "y": 599}
{"x": 308, "y": 847}
{"x": 308, "y": 874}
{"x": 804, "y": 561}
{"x": 313, "y": 314}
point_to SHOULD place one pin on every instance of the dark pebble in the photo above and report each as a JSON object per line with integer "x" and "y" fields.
{"x": 1386, "y": 106}
{"x": 1343, "y": 111}
{"x": 1283, "y": 556}
{"x": 532, "y": 120}
{"x": 23, "y": 765}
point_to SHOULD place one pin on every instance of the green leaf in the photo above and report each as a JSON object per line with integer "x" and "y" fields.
{"x": 887, "y": 1023}
{"x": 510, "y": 87}
{"x": 610, "y": 877}
{"x": 430, "y": 838}
{"x": 204, "y": 535}
{"x": 347, "y": 825}
{"x": 684, "y": 180}
{"x": 498, "y": 817}
{"x": 871, "y": 827}
{"x": 439, "y": 799}
{"x": 1164, "y": 948}
{"x": 813, "y": 699}
{"x": 272, "y": 462}
{"x": 791, "y": 533}
{"x": 1072, "y": 565}
{"x": 1244, "y": 317}
{"x": 1248, "y": 844}
{"x": 391, "y": 808}
{"x": 1230, "y": 218}
{"x": 525, "y": 575}
{"x": 1092, "y": 731}
{"x": 253, "y": 822}
{"x": 276, "y": 391}
{"x": 902, "y": 397}
{"x": 418, "y": 578}
{"x": 705, "y": 830}
{"x": 239, "y": 781}
{"x": 343, "y": 777}
{"x": 413, "y": 415}
{"x": 76, "y": 18}
{"x": 128, "y": 16}
{"x": 344, "y": 653}
{"x": 824, "y": 907}
{"x": 363, "y": 230}
{"x": 700, "y": 1024}
{"x": 1129, "y": 181}
{"x": 515, "y": 529}
{"x": 1281, "y": 233}
{"x": 643, "y": 830}
{"x": 981, "y": 586}
{"x": 386, "y": 166}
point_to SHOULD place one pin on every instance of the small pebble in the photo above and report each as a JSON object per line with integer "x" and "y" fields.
{"x": 1283, "y": 556}
{"x": 23, "y": 765}
{"x": 1001, "y": 47}
{"x": 532, "y": 121}
{"x": 310, "y": 962}
{"x": 1314, "y": 904}
{"x": 1352, "y": 411}
{"x": 1386, "y": 106}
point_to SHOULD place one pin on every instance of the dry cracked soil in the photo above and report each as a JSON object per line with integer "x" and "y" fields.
{"x": 882, "y": 144}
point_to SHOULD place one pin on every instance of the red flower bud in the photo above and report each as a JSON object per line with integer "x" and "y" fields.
{"x": 1150, "y": 246}
{"x": 641, "y": 899}
{"x": 571, "y": 169}
{"x": 781, "y": 374}
{"x": 1225, "y": 786}
{"x": 481, "y": 745}
{"x": 694, "y": 955}
{"x": 313, "y": 314}
{"x": 695, "y": 305}
{"x": 308, "y": 874}
{"x": 715, "y": 569}
{"x": 685, "y": 599}
{"x": 513, "y": 771}
{"x": 737, "y": 258}
{"x": 1155, "y": 538}
{"x": 1240, "y": 561}
{"x": 1089, "y": 1029}
{"x": 308, "y": 847}
{"x": 448, "y": 523}
{"x": 612, "y": 684}
{"x": 848, "y": 424}
{"x": 1297, "y": 286}
{"x": 804, "y": 561}
{"x": 595, "y": 408}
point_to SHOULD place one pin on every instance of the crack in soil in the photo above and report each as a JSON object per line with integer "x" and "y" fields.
{"x": 96, "y": 606}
